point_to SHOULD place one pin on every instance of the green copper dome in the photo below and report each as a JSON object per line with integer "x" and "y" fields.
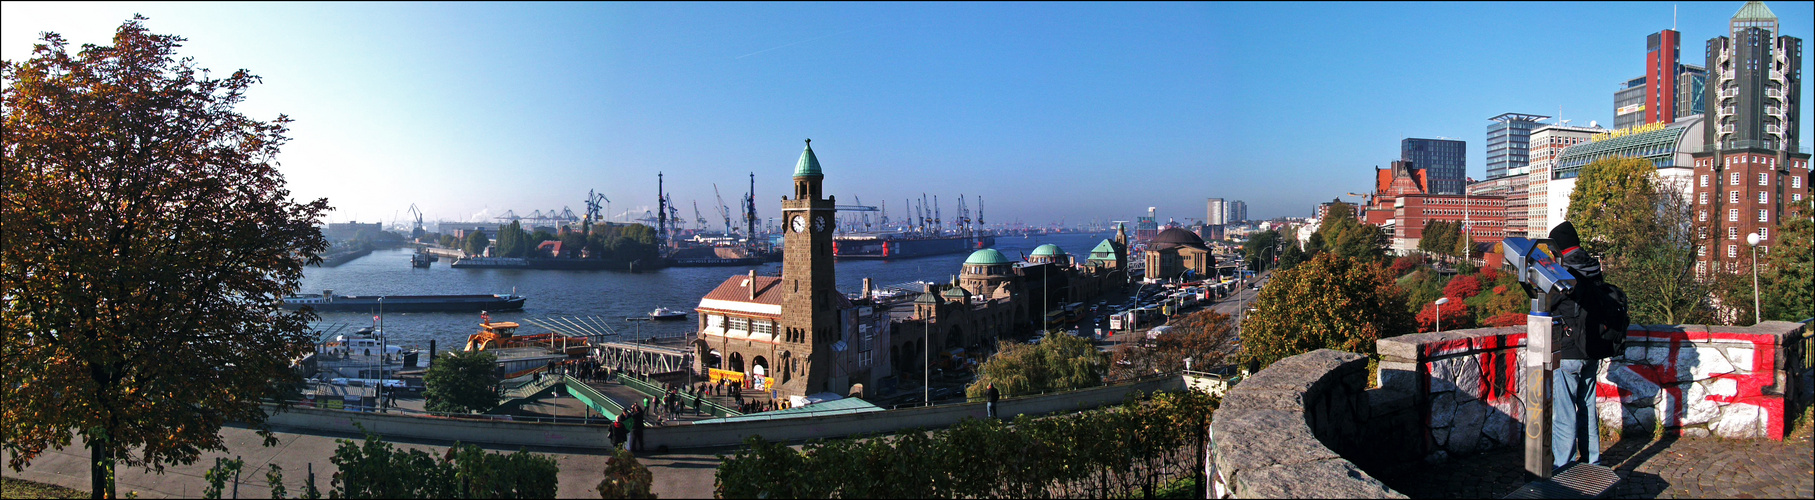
{"x": 1048, "y": 250}
{"x": 809, "y": 164}
{"x": 986, "y": 257}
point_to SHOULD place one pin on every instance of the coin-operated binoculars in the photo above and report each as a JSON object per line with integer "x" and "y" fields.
{"x": 1545, "y": 281}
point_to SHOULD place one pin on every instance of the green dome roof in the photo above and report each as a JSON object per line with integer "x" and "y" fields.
{"x": 986, "y": 257}
{"x": 1048, "y": 250}
{"x": 809, "y": 164}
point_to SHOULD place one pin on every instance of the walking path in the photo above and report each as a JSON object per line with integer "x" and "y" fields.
{"x": 1668, "y": 467}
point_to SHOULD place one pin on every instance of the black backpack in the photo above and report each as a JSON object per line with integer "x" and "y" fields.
{"x": 1591, "y": 322}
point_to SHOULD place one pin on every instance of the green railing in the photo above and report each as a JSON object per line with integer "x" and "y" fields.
{"x": 528, "y": 389}
{"x": 648, "y": 388}
{"x": 593, "y": 398}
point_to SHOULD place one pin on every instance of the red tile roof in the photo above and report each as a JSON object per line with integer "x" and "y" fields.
{"x": 737, "y": 289}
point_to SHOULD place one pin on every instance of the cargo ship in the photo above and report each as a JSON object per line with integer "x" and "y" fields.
{"x": 905, "y": 245}
{"x": 329, "y": 302}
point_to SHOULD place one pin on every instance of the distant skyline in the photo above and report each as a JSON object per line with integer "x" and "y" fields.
{"x": 1066, "y": 111}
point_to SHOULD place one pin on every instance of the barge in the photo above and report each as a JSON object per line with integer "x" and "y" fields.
{"x": 329, "y": 302}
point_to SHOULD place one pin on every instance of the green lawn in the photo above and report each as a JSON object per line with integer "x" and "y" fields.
{"x": 20, "y": 488}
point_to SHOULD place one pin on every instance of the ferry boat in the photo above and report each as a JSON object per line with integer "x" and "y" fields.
{"x": 329, "y": 302}
{"x": 663, "y": 313}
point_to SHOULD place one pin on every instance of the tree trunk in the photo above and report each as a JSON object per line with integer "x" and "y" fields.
{"x": 100, "y": 473}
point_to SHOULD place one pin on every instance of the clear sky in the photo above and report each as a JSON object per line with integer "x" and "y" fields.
{"x": 1067, "y": 111}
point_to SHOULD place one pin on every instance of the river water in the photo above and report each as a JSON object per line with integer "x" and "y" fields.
{"x": 604, "y": 296}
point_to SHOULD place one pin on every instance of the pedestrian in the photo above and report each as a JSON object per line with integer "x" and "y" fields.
{"x": 636, "y": 427}
{"x": 1591, "y": 321}
{"x": 990, "y": 395}
{"x": 618, "y": 432}
{"x": 696, "y": 403}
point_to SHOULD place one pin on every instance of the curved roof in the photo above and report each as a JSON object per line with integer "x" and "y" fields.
{"x": 1662, "y": 146}
{"x": 1176, "y": 237}
{"x": 985, "y": 257}
{"x": 957, "y": 293}
{"x": 1048, "y": 250}
{"x": 809, "y": 164}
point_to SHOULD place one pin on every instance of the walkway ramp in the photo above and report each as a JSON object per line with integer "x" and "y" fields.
{"x": 844, "y": 406}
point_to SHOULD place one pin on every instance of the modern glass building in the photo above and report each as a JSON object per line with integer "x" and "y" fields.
{"x": 1509, "y": 144}
{"x": 1629, "y": 104}
{"x": 1668, "y": 147}
{"x": 1445, "y": 162}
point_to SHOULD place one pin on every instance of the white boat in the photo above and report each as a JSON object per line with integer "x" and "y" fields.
{"x": 663, "y": 313}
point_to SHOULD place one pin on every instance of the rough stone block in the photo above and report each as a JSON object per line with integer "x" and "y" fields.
{"x": 1396, "y": 349}
{"x": 1637, "y": 390}
{"x": 1501, "y": 428}
{"x": 1251, "y": 439}
{"x": 1740, "y": 421}
{"x": 1703, "y": 362}
{"x": 1741, "y": 358}
{"x": 1257, "y": 398}
{"x": 1700, "y": 409}
{"x": 1465, "y": 434}
{"x": 1321, "y": 479}
{"x": 1440, "y": 436}
{"x": 1612, "y": 413}
{"x": 1443, "y": 409}
{"x": 1636, "y": 354}
{"x": 1695, "y": 432}
{"x": 1722, "y": 387}
{"x": 1384, "y": 402}
{"x": 1466, "y": 373}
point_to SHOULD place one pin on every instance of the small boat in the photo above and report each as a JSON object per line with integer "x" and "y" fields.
{"x": 663, "y": 313}
{"x": 421, "y": 259}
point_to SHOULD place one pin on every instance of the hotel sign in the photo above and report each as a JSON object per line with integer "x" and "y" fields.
{"x": 1630, "y": 108}
{"x": 1636, "y": 129}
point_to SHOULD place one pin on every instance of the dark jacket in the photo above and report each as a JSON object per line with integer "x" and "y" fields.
{"x": 992, "y": 395}
{"x": 1585, "y": 315}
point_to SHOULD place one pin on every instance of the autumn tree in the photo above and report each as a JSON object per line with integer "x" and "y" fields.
{"x": 1330, "y": 302}
{"x": 1205, "y": 337}
{"x": 1643, "y": 229}
{"x": 1344, "y": 236}
{"x": 461, "y": 382}
{"x": 1260, "y": 250}
{"x": 1787, "y": 279}
{"x": 149, "y": 240}
{"x": 1058, "y": 363}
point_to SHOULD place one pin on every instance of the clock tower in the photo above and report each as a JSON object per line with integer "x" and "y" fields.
{"x": 811, "y": 304}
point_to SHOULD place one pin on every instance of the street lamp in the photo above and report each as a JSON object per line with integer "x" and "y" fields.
{"x": 1439, "y": 312}
{"x": 1752, "y": 240}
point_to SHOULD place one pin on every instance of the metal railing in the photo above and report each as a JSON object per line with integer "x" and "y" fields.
{"x": 654, "y": 391}
{"x": 599, "y": 401}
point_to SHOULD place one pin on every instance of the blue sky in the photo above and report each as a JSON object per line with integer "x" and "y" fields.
{"x": 1068, "y": 111}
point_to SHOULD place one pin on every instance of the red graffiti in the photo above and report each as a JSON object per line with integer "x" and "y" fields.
{"x": 1750, "y": 386}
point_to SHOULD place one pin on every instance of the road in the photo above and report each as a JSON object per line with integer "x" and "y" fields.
{"x": 1228, "y": 305}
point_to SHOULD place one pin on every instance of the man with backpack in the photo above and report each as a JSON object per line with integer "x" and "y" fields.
{"x": 1589, "y": 325}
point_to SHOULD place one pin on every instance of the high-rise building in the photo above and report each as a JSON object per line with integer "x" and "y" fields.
{"x": 1509, "y": 144}
{"x": 1444, "y": 160}
{"x": 1751, "y": 169}
{"x": 1215, "y": 212}
{"x": 1547, "y": 145}
{"x": 1238, "y": 212}
{"x": 1668, "y": 91}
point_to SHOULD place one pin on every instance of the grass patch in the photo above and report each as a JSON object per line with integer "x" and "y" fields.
{"x": 1800, "y": 427}
{"x": 20, "y": 488}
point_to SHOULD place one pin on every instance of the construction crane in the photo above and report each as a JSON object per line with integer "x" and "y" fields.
{"x": 416, "y": 233}
{"x": 724, "y": 211}
{"x": 697, "y": 216}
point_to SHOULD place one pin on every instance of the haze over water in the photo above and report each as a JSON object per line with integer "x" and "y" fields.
{"x": 609, "y": 296}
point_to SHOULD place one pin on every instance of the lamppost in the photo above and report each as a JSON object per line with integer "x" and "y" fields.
{"x": 926, "y": 360}
{"x": 381, "y": 338}
{"x": 1752, "y": 241}
{"x": 1439, "y": 312}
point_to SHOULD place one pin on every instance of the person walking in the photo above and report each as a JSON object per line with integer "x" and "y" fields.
{"x": 1590, "y": 321}
{"x": 636, "y": 427}
{"x": 696, "y": 403}
{"x": 618, "y": 432}
{"x": 990, "y": 396}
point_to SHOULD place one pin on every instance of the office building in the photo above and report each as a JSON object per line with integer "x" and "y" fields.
{"x": 1667, "y": 147}
{"x": 1444, "y": 160}
{"x": 1215, "y": 212}
{"x": 1509, "y": 144}
{"x": 1669, "y": 90}
{"x": 1752, "y": 168}
{"x": 1238, "y": 212}
{"x": 1547, "y": 145}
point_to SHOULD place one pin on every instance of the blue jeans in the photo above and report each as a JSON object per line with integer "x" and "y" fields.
{"x": 991, "y": 406}
{"x": 1573, "y": 417}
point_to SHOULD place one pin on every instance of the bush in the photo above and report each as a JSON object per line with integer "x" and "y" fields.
{"x": 625, "y": 477}
{"x": 1455, "y": 316}
{"x": 462, "y": 382}
{"x": 1406, "y": 264}
{"x": 1142, "y": 445}
{"x": 1462, "y": 287}
{"x": 375, "y": 469}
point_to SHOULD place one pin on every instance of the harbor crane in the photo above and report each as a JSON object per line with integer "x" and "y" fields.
{"x": 592, "y": 210}
{"x": 697, "y": 216}
{"x": 416, "y": 233}
{"x": 750, "y": 210}
{"x": 724, "y": 211}
{"x": 964, "y": 217}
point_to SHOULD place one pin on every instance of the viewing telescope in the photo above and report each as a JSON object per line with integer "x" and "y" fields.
{"x": 1546, "y": 281}
{"x": 1538, "y": 271}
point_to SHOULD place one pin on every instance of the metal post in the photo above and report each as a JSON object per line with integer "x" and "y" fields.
{"x": 926, "y": 361}
{"x": 1757, "y": 314}
{"x": 1540, "y": 360}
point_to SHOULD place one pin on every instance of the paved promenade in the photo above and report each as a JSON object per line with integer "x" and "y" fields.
{"x": 677, "y": 475}
{"x": 1668, "y": 467}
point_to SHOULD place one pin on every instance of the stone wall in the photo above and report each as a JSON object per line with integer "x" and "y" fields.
{"x": 1689, "y": 379}
{"x": 1284, "y": 432}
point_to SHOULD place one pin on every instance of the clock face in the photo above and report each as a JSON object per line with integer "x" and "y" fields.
{"x": 799, "y": 223}
{"x": 819, "y": 223}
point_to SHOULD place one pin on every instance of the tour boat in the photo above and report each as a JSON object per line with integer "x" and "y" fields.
{"x": 663, "y": 313}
